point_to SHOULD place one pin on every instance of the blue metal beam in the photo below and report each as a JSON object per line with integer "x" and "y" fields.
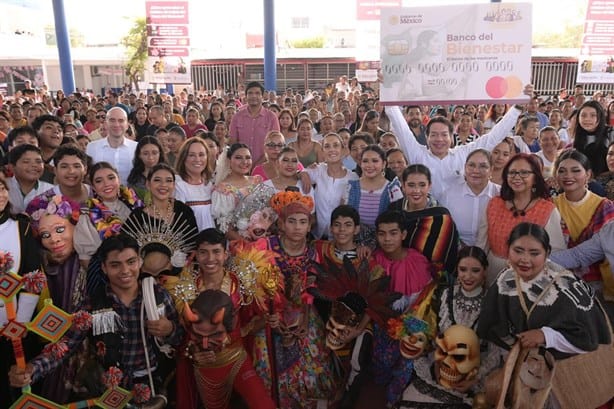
{"x": 270, "y": 58}
{"x": 63, "y": 39}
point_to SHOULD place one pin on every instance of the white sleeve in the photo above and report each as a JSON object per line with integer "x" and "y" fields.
{"x": 346, "y": 193}
{"x": 521, "y": 144}
{"x": 589, "y": 251}
{"x": 180, "y": 193}
{"x": 222, "y": 209}
{"x": 407, "y": 141}
{"x": 482, "y": 239}
{"x": 86, "y": 238}
{"x": 553, "y": 228}
{"x": 495, "y": 136}
{"x": 556, "y": 340}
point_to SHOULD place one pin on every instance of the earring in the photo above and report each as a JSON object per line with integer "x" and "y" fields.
{"x": 533, "y": 189}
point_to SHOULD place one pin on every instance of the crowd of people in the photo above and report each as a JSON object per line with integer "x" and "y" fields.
{"x": 308, "y": 250}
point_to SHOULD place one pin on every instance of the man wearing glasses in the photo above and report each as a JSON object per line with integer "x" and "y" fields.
{"x": 100, "y": 131}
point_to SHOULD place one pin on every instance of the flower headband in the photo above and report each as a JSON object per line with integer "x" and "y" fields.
{"x": 59, "y": 205}
{"x": 405, "y": 325}
{"x": 289, "y": 202}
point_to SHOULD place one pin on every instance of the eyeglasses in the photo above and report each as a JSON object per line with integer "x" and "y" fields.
{"x": 274, "y": 145}
{"x": 101, "y": 116}
{"x": 522, "y": 173}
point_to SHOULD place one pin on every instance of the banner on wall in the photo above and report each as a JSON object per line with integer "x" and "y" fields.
{"x": 168, "y": 42}
{"x": 596, "y": 61}
{"x": 474, "y": 53}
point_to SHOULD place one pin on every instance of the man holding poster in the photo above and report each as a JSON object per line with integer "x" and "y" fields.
{"x": 456, "y": 54}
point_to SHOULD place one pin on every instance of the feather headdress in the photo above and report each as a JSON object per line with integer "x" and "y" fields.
{"x": 335, "y": 281}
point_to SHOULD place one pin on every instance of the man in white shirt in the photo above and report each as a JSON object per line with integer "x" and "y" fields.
{"x": 115, "y": 148}
{"x": 446, "y": 164}
{"x": 343, "y": 85}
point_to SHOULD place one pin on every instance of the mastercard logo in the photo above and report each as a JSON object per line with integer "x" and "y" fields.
{"x": 504, "y": 87}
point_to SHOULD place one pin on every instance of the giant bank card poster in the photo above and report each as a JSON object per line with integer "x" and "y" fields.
{"x": 477, "y": 53}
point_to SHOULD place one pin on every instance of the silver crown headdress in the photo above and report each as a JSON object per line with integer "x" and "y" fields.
{"x": 175, "y": 236}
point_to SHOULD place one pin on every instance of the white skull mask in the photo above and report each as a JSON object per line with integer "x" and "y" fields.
{"x": 457, "y": 356}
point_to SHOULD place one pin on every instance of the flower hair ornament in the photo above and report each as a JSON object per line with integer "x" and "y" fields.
{"x": 253, "y": 216}
{"x": 289, "y": 202}
{"x": 45, "y": 205}
{"x": 175, "y": 236}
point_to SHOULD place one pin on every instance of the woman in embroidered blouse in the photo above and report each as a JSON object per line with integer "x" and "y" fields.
{"x": 148, "y": 153}
{"x": 524, "y": 198}
{"x": 563, "y": 313}
{"x": 331, "y": 179}
{"x": 461, "y": 304}
{"x": 372, "y": 193}
{"x": 583, "y": 213}
{"x": 308, "y": 150}
{"x": 430, "y": 228}
{"x": 164, "y": 211}
{"x": 105, "y": 212}
{"x": 194, "y": 183}
{"x": 233, "y": 185}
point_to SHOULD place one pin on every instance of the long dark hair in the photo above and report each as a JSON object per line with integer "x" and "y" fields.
{"x": 7, "y": 208}
{"x": 581, "y": 134}
{"x": 138, "y": 167}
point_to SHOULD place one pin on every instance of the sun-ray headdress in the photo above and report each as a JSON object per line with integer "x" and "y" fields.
{"x": 175, "y": 236}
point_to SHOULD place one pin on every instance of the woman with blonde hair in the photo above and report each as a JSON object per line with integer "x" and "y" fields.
{"x": 274, "y": 142}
